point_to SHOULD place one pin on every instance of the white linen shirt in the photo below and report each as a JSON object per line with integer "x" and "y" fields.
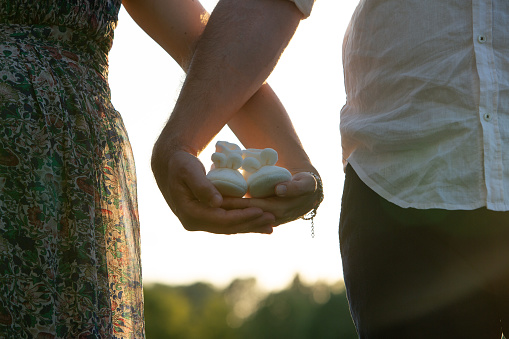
{"x": 426, "y": 121}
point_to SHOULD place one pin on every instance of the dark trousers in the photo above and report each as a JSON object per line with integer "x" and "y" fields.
{"x": 423, "y": 273}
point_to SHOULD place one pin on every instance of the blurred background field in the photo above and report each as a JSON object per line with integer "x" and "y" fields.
{"x": 243, "y": 310}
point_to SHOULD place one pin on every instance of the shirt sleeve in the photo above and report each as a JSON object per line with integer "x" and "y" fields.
{"x": 304, "y": 6}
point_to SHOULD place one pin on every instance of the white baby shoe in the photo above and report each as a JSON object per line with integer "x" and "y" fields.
{"x": 261, "y": 174}
{"x": 224, "y": 173}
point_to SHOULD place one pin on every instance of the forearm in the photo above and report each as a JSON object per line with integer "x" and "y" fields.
{"x": 176, "y": 25}
{"x": 263, "y": 122}
{"x": 237, "y": 51}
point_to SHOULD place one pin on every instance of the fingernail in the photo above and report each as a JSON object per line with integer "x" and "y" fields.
{"x": 281, "y": 190}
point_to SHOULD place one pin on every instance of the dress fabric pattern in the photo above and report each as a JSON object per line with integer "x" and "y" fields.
{"x": 69, "y": 230}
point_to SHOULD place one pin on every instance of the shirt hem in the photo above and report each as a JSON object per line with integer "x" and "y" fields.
{"x": 423, "y": 206}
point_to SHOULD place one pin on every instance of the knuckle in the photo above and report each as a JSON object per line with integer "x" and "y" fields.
{"x": 190, "y": 226}
{"x": 280, "y": 213}
{"x": 192, "y": 221}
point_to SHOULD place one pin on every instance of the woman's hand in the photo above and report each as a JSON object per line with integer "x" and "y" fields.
{"x": 197, "y": 203}
{"x": 293, "y": 199}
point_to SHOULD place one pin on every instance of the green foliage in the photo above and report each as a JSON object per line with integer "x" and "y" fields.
{"x": 189, "y": 312}
{"x": 301, "y": 312}
{"x": 200, "y": 311}
{"x": 167, "y": 312}
{"x": 332, "y": 320}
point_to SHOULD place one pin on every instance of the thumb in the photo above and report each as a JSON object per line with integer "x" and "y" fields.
{"x": 302, "y": 183}
{"x": 195, "y": 179}
{"x": 206, "y": 193}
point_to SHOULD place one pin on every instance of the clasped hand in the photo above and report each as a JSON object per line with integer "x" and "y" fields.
{"x": 200, "y": 207}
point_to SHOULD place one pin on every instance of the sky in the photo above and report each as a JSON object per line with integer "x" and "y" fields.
{"x": 308, "y": 79}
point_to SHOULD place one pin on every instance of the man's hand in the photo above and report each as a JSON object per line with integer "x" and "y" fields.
{"x": 197, "y": 203}
{"x": 238, "y": 49}
{"x": 293, "y": 199}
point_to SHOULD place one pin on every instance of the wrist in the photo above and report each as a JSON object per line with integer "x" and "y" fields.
{"x": 319, "y": 198}
{"x": 165, "y": 148}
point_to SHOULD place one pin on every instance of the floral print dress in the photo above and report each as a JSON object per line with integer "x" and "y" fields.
{"x": 69, "y": 231}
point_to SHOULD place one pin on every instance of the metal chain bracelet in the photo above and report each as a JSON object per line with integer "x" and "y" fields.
{"x": 311, "y": 214}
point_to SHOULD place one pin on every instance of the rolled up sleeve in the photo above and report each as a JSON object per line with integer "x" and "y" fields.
{"x": 304, "y": 6}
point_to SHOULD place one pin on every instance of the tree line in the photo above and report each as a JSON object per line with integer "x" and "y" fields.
{"x": 242, "y": 310}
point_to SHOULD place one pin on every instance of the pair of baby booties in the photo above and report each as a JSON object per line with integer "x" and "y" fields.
{"x": 259, "y": 173}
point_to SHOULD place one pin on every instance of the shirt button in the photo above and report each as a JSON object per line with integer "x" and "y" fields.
{"x": 487, "y": 116}
{"x": 481, "y": 38}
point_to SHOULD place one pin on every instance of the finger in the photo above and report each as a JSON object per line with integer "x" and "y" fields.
{"x": 271, "y": 204}
{"x": 279, "y": 207}
{"x": 265, "y": 229}
{"x": 216, "y": 220}
{"x": 284, "y": 209}
{"x": 264, "y": 224}
{"x": 236, "y": 203}
{"x": 205, "y": 191}
{"x": 193, "y": 175}
{"x": 301, "y": 184}
{"x": 196, "y": 215}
